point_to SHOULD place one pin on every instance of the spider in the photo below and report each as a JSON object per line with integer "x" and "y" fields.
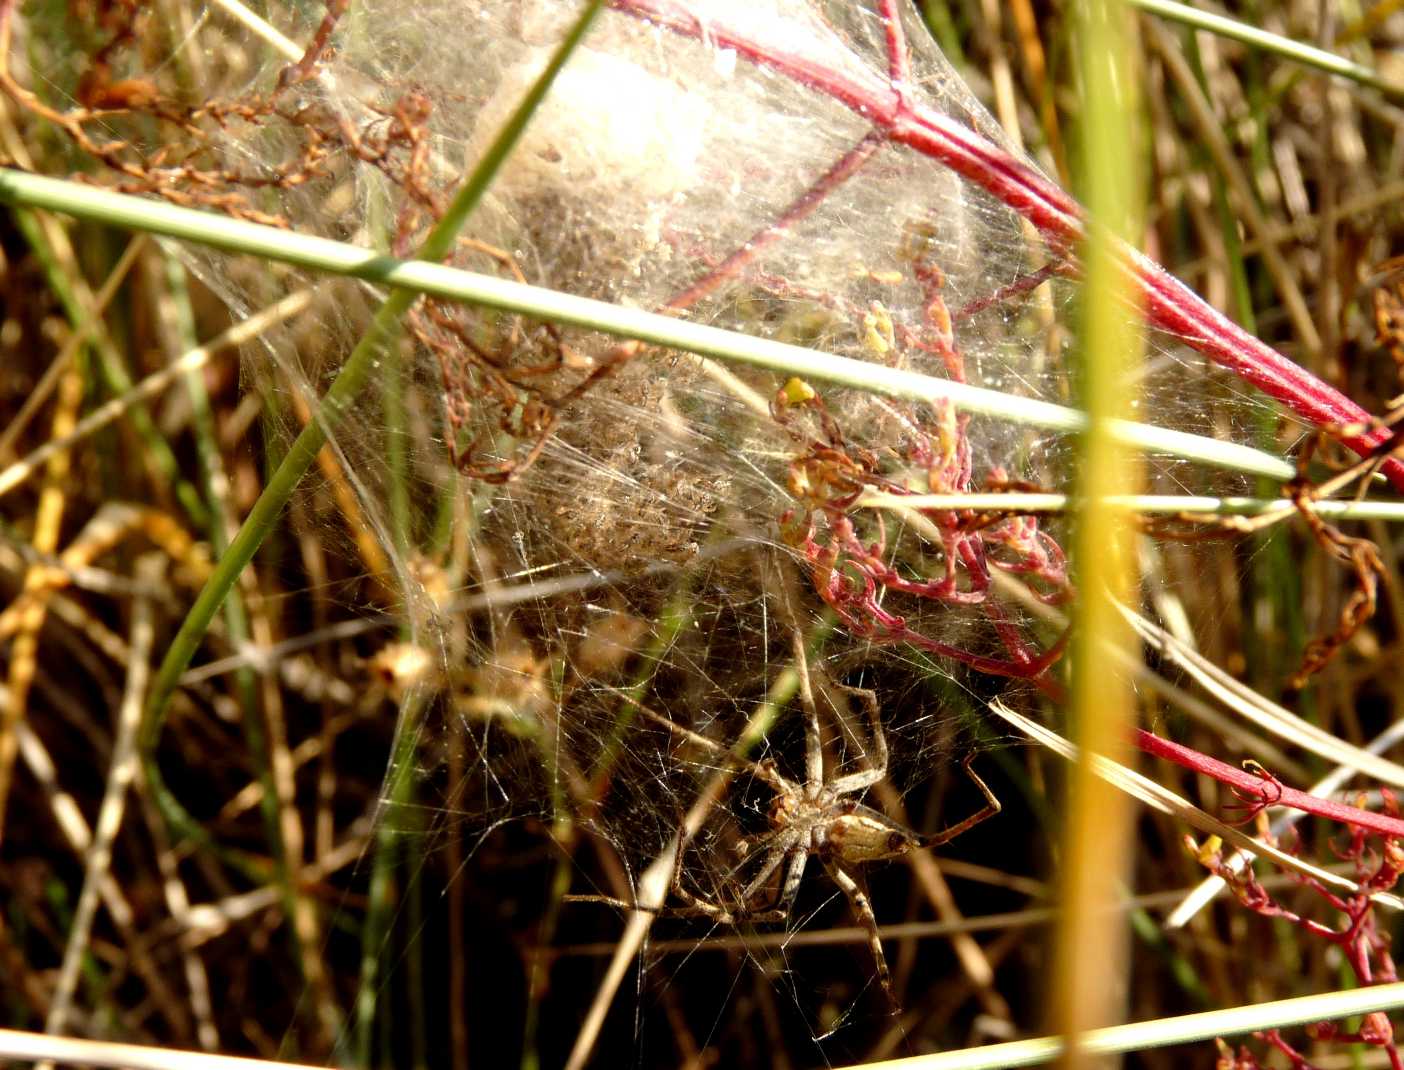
{"x": 820, "y": 817}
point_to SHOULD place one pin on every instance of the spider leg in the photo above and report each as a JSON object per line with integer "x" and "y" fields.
{"x": 813, "y": 742}
{"x": 877, "y": 758}
{"x": 765, "y": 770}
{"x": 794, "y": 873}
{"x": 691, "y": 907}
{"x": 786, "y": 849}
{"x": 694, "y": 906}
{"x": 607, "y": 900}
{"x": 863, "y": 909}
{"x": 776, "y": 852}
{"x": 992, "y": 806}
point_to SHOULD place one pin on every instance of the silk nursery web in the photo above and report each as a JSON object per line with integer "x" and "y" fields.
{"x": 669, "y": 171}
{"x": 636, "y": 578}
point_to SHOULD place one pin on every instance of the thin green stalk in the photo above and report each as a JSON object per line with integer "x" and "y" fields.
{"x": 939, "y": 21}
{"x": 1256, "y": 37}
{"x": 414, "y": 956}
{"x": 357, "y": 370}
{"x": 1228, "y": 220}
{"x": 236, "y": 617}
{"x": 380, "y": 903}
{"x": 565, "y": 832}
{"x": 506, "y": 295}
{"x": 1275, "y": 576}
{"x": 393, "y": 385}
{"x": 392, "y": 397}
{"x": 1150, "y": 931}
{"x": 540, "y": 960}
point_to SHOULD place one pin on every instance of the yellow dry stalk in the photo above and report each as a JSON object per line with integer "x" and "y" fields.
{"x": 24, "y": 617}
{"x": 110, "y": 525}
{"x": 33, "y": 601}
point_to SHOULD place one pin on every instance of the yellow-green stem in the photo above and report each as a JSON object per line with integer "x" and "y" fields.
{"x": 1089, "y": 987}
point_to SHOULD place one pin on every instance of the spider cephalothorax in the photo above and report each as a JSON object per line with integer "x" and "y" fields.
{"x": 834, "y": 827}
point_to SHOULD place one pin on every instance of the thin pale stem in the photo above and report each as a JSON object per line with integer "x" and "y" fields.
{"x": 124, "y": 768}
{"x": 1151, "y": 504}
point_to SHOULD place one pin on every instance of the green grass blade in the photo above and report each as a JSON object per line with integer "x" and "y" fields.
{"x": 1285, "y": 47}
{"x": 441, "y": 281}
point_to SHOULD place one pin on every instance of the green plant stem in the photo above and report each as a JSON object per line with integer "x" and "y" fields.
{"x": 379, "y": 900}
{"x": 565, "y": 832}
{"x": 340, "y": 396}
{"x": 236, "y": 623}
{"x": 675, "y": 617}
{"x": 1096, "y": 857}
{"x": 1269, "y": 42}
{"x": 396, "y": 448}
{"x": 440, "y": 280}
{"x": 251, "y": 534}
{"x": 211, "y": 464}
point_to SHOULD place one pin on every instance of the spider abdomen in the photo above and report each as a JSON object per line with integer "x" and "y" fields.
{"x": 861, "y": 834}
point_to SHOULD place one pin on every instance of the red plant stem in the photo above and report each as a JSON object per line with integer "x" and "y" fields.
{"x": 1170, "y": 306}
{"x": 899, "y": 59}
{"x": 1267, "y": 791}
{"x": 847, "y": 166}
